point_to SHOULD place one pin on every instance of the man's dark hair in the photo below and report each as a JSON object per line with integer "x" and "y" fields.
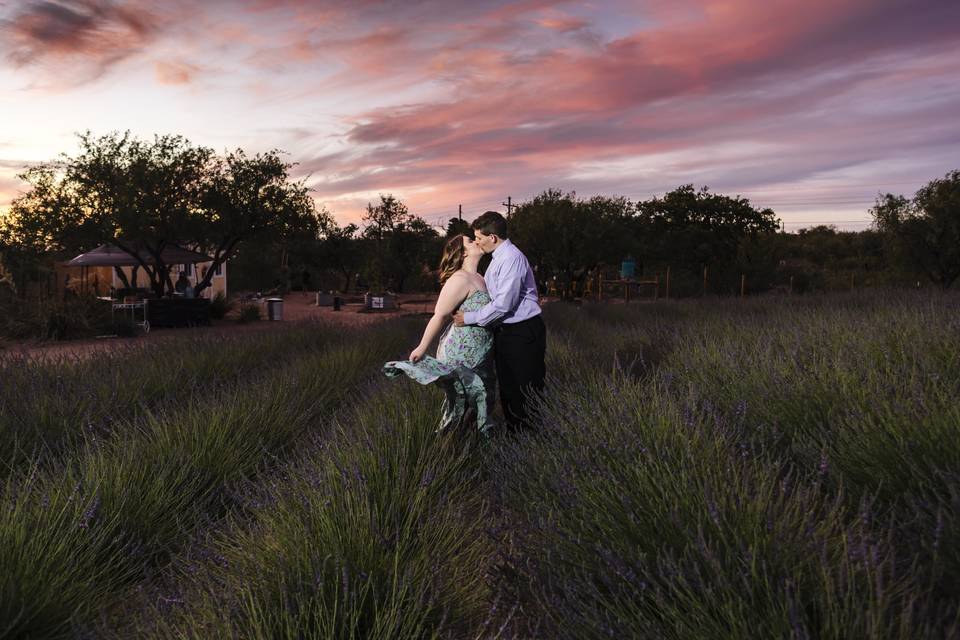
{"x": 491, "y": 223}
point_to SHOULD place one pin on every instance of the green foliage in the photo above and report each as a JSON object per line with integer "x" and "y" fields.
{"x": 763, "y": 470}
{"x": 67, "y": 393}
{"x": 220, "y": 306}
{"x": 412, "y": 565}
{"x": 124, "y": 327}
{"x": 565, "y": 236}
{"x": 457, "y": 226}
{"x": 145, "y": 195}
{"x": 696, "y": 228}
{"x": 74, "y": 537}
{"x": 399, "y": 244}
{"x": 49, "y": 318}
{"x": 774, "y": 468}
{"x": 249, "y": 313}
{"x": 247, "y": 198}
{"x": 925, "y": 232}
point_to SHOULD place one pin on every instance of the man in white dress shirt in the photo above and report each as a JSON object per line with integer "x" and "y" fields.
{"x": 520, "y": 337}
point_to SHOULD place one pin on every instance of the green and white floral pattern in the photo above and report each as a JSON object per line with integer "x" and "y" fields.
{"x": 463, "y": 368}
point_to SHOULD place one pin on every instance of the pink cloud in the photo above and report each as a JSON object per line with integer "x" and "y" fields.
{"x": 96, "y": 32}
{"x": 174, "y": 72}
{"x": 563, "y": 23}
{"x": 464, "y": 99}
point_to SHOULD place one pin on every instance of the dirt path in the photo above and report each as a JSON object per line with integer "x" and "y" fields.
{"x": 297, "y": 309}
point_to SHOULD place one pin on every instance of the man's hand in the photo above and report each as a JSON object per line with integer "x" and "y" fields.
{"x": 458, "y": 318}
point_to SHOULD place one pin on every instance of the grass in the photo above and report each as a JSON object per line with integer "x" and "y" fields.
{"x": 725, "y": 469}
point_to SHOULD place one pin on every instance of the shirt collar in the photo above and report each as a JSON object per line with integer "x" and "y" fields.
{"x": 505, "y": 243}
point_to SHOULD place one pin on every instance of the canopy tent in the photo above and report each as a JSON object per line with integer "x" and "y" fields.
{"x": 108, "y": 255}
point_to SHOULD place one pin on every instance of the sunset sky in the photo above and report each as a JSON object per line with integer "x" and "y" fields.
{"x": 809, "y": 107}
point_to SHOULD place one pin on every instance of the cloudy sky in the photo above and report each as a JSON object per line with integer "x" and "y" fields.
{"x": 809, "y": 107}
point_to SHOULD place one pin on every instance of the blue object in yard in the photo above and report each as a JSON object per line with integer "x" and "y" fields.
{"x": 628, "y": 268}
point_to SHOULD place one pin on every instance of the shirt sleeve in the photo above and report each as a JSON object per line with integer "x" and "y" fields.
{"x": 509, "y": 278}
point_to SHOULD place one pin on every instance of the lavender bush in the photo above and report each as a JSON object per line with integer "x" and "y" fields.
{"x": 703, "y": 469}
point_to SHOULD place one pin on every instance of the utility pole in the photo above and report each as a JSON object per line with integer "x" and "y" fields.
{"x": 460, "y": 212}
{"x": 509, "y": 205}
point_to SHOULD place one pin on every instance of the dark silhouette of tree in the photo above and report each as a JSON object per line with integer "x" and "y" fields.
{"x": 140, "y": 196}
{"x": 925, "y": 232}
{"x": 247, "y": 197}
{"x": 696, "y": 228}
{"x": 398, "y": 243}
{"x": 566, "y": 237}
{"x": 144, "y": 196}
{"x": 456, "y": 226}
{"x": 340, "y": 251}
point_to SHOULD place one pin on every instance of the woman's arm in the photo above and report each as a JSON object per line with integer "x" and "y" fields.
{"x": 453, "y": 293}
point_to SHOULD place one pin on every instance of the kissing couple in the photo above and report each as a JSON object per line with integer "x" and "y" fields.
{"x": 492, "y": 331}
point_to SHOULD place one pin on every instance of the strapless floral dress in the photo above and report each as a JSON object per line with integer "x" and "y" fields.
{"x": 463, "y": 368}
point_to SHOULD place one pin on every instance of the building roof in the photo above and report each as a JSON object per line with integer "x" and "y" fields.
{"x": 108, "y": 255}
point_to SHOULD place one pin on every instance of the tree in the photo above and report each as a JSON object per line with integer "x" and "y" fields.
{"x": 137, "y": 195}
{"x": 144, "y": 196}
{"x": 252, "y": 197}
{"x": 398, "y": 241}
{"x": 925, "y": 232}
{"x": 457, "y": 226}
{"x": 566, "y": 237}
{"x": 340, "y": 251}
{"x": 696, "y": 228}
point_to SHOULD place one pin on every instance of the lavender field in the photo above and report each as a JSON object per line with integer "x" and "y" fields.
{"x": 779, "y": 468}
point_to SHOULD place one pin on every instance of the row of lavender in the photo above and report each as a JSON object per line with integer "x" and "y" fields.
{"x": 116, "y": 463}
{"x": 702, "y": 470}
{"x": 757, "y": 469}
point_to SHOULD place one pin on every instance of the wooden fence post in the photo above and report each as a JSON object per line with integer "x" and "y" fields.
{"x": 704, "y": 281}
{"x": 791, "y": 286}
{"x": 666, "y": 294}
{"x": 743, "y": 284}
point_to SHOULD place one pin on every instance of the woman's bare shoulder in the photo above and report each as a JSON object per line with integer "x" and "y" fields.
{"x": 458, "y": 281}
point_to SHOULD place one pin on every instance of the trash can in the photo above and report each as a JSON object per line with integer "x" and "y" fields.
{"x": 336, "y": 303}
{"x": 275, "y": 308}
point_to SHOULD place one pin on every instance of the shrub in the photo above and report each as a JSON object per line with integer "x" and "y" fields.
{"x": 124, "y": 327}
{"x": 49, "y": 318}
{"x": 220, "y": 306}
{"x": 249, "y": 313}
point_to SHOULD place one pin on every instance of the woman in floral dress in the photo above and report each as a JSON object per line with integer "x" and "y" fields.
{"x": 463, "y": 367}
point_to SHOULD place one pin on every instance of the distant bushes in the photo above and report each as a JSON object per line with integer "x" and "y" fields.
{"x": 220, "y": 306}
{"x": 50, "y": 318}
{"x": 249, "y": 313}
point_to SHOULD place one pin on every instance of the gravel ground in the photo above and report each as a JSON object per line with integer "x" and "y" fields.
{"x": 297, "y": 308}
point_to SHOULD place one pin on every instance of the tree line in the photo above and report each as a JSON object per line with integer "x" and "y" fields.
{"x": 144, "y": 195}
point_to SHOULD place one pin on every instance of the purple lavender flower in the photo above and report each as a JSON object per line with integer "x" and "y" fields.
{"x": 90, "y": 512}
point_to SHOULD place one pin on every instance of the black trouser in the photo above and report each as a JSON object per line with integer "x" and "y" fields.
{"x": 519, "y": 351}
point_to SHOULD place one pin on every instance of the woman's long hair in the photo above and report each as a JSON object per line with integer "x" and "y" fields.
{"x": 452, "y": 259}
